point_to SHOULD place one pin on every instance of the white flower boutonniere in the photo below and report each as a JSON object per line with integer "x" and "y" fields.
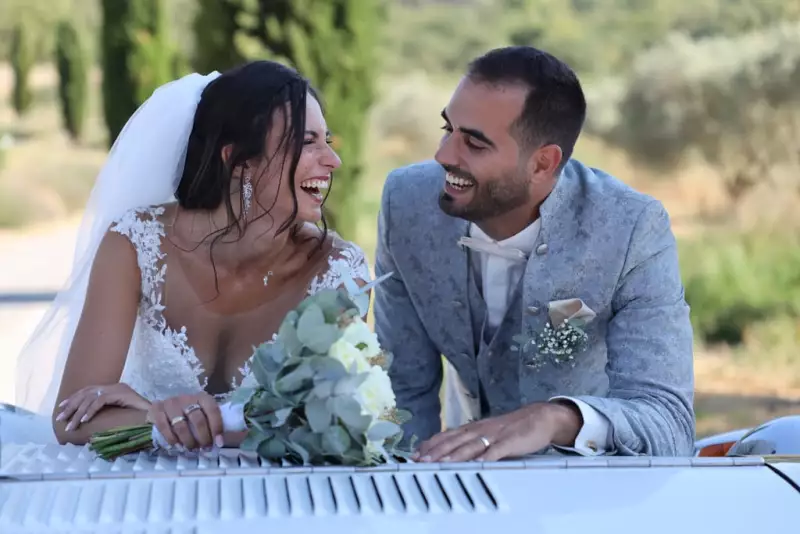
{"x": 562, "y": 337}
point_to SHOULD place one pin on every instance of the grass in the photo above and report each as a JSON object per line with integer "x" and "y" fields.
{"x": 744, "y": 287}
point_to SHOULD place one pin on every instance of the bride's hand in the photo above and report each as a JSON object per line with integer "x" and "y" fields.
{"x": 191, "y": 421}
{"x": 84, "y": 404}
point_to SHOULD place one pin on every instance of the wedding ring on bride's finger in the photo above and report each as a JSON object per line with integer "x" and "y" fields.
{"x": 192, "y": 407}
{"x": 175, "y": 420}
{"x": 485, "y": 441}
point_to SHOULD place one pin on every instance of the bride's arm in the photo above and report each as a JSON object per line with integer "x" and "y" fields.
{"x": 103, "y": 335}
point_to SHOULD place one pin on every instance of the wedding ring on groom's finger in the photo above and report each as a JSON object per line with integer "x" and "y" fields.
{"x": 485, "y": 441}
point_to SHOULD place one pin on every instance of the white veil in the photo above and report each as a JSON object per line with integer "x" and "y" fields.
{"x": 143, "y": 168}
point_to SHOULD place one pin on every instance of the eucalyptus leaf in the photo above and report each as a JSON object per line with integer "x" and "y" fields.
{"x": 296, "y": 377}
{"x": 301, "y": 451}
{"x": 327, "y": 368}
{"x": 261, "y": 373}
{"x": 288, "y": 336}
{"x": 311, "y": 319}
{"x": 348, "y": 384}
{"x": 265, "y": 404}
{"x": 241, "y": 395}
{"x": 310, "y": 441}
{"x": 349, "y": 411}
{"x": 322, "y": 390}
{"x": 318, "y": 416}
{"x": 335, "y": 440}
{"x": 320, "y": 338}
{"x": 281, "y": 416}
{"x": 252, "y": 440}
{"x": 272, "y": 448}
{"x": 382, "y": 430}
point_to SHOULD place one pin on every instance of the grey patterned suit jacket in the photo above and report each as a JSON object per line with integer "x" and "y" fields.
{"x": 606, "y": 244}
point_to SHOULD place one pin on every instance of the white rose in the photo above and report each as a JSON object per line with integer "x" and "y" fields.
{"x": 375, "y": 393}
{"x": 349, "y": 355}
{"x": 359, "y": 334}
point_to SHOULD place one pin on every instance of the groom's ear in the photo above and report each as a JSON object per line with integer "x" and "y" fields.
{"x": 544, "y": 162}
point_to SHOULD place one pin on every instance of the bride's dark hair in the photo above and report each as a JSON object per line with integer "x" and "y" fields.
{"x": 238, "y": 108}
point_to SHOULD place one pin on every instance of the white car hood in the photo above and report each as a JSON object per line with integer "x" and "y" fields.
{"x": 64, "y": 488}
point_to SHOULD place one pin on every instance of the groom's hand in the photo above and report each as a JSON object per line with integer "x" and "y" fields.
{"x": 524, "y": 431}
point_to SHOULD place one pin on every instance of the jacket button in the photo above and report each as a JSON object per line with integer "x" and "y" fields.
{"x": 542, "y": 249}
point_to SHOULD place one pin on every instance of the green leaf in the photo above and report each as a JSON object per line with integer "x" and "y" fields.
{"x": 349, "y": 411}
{"x": 280, "y": 416}
{"x": 327, "y": 368}
{"x": 311, "y": 319}
{"x": 348, "y": 384}
{"x": 272, "y": 448}
{"x": 320, "y": 339}
{"x": 301, "y": 451}
{"x": 335, "y": 440}
{"x": 382, "y": 430}
{"x": 318, "y": 416}
{"x": 252, "y": 440}
{"x": 241, "y": 395}
{"x": 287, "y": 334}
{"x": 314, "y": 333}
{"x": 260, "y": 371}
{"x": 295, "y": 378}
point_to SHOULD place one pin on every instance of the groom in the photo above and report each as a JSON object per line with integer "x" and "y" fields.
{"x": 551, "y": 289}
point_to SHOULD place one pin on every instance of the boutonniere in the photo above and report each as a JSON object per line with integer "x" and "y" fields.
{"x": 561, "y": 338}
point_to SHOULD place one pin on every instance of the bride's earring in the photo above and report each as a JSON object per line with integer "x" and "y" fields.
{"x": 247, "y": 192}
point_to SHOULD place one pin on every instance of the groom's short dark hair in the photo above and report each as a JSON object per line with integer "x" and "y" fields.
{"x": 555, "y": 108}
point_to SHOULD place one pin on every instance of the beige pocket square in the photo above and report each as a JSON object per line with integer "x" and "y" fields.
{"x": 569, "y": 310}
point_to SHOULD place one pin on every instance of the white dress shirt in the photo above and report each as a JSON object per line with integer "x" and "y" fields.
{"x": 499, "y": 276}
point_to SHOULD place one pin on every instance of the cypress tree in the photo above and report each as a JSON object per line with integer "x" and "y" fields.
{"x": 23, "y": 57}
{"x": 332, "y": 43}
{"x": 72, "y": 78}
{"x": 137, "y": 57}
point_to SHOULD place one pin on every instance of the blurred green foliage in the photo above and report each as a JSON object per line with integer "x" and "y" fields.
{"x": 72, "y": 78}
{"x": 332, "y": 43}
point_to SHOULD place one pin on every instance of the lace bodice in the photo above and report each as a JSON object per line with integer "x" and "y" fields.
{"x": 161, "y": 363}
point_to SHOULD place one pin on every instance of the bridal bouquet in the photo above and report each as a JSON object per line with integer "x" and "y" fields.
{"x": 318, "y": 392}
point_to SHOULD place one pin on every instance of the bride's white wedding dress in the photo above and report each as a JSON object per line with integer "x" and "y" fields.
{"x": 161, "y": 362}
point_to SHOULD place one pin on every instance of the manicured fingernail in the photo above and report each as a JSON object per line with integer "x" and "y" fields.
{"x": 445, "y": 459}
{"x": 426, "y": 459}
{"x": 219, "y": 441}
{"x": 60, "y": 417}
{"x": 480, "y": 460}
{"x": 69, "y": 426}
{"x": 63, "y": 403}
{"x": 84, "y": 418}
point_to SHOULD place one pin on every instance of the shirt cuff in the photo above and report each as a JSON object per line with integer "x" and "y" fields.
{"x": 595, "y": 436}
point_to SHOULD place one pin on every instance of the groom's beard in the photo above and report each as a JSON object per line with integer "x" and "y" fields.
{"x": 490, "y": 198}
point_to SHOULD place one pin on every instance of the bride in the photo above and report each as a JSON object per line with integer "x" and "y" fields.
{"x": 204, "y": 229}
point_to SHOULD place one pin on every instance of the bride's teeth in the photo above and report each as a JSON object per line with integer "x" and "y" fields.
{"x": 315, "y": 184}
